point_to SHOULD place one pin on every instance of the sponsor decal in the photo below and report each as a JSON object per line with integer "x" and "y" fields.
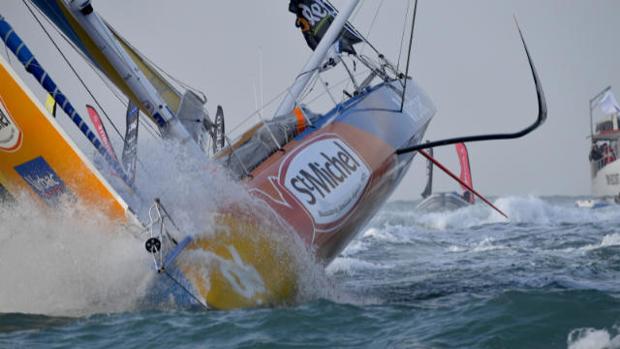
{"x": 10, "y": 134}
{"x": 328, "y": 178}
{"x": 42, "y": 179}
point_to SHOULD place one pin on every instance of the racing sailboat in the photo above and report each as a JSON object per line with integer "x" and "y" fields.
{"x": 317, "y": 178}
{"x": 448, "y": 201}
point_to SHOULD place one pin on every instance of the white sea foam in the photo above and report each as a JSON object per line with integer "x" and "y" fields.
{"x": 607, "y": 241}
{"x": 487, "y": 244}
{"x": 68, "y": 262}
{"x": 591, "y": 338}
{"x": 349, "y": 265}
{"x": 528, "y": 209}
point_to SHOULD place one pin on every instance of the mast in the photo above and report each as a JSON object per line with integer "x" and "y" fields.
{"x": 317, "y": 58}
{"x": 150, "y": 100}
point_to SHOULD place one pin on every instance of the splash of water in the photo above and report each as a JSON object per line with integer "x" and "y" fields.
{"x": 67, "y": 262}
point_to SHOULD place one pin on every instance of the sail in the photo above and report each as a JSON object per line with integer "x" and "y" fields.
{"x": 123, "y": 65}
{"x": 314, "y": 18}
{"x": 58, "y": 12}
{"x": 465, "y": 175}
{"x": 165, "y": 89}
{"x": 428, "y": 189}
{"x": 101, "y": 131}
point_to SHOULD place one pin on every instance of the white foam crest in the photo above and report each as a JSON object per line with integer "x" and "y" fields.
{"x": 69, "y": 261}
{"x": 349, "y": 265}
{"x": 487, "y": 244}
{"x": 530, "y": 209}
{"x": 607, "y": 241}
{"x": 390, "y": 234}
{"x": 591, "y": 338}
{"x": 355, "y": 247}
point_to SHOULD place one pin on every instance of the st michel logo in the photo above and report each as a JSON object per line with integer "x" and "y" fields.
{"x": 10, "y": 134}
{"x": 328, "y": 178}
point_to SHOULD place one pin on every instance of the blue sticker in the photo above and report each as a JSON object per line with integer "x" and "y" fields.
{"x": 42, "y": 179}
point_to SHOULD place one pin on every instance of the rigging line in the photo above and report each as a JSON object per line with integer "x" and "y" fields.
{"x": 73, "y": 69}
{"x": 402, "y": 37}
{"x": 372, "y": 24}
{"x": 415, "y": 10}
{"x": 271, "y": 101}
{"x": 186, "y": 290}
{"x": 172, "y": 77}
{"x": 329, "y": 7}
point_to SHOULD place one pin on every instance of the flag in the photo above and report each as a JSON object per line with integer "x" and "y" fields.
{"x": 608, "y": 103}
{"x": 465, "y": 176}
{"x": 314, "y": 18}
{"x": 101, "y": 131}
{"x": 130, "y": 149}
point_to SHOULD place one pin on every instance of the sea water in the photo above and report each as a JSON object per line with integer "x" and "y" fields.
{"x": 549, "y": 277}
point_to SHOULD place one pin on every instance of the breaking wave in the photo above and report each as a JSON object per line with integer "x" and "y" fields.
{"x": 526, "y": 210}
{"x": 591, "y": 338}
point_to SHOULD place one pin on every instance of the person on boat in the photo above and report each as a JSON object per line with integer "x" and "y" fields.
{"x": 595, "y": 153}
{"x": 467, "y": 196}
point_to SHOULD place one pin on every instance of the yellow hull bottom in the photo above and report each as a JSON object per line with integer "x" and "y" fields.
{"x": 242, "y": 264}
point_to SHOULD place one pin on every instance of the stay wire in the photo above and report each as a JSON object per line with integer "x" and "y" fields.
{"x": 415, "y": 10}
{"x": 402, "y": 37}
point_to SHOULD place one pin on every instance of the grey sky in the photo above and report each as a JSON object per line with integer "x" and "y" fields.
{"x": 467, "y": 56}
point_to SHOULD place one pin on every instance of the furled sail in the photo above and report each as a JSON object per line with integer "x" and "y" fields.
{"x": 314, "y": 18}
{"x": 465, "y": 175}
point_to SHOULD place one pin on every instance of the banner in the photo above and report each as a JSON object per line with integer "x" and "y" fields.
{"x": 101, "y": 131}
{"x": 314, "y": 18}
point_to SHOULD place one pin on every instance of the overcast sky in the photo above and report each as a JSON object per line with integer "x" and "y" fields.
{"x": 467, "y": 56}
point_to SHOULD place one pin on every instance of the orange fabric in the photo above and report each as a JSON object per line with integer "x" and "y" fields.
{"x": 301, "y": 120}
